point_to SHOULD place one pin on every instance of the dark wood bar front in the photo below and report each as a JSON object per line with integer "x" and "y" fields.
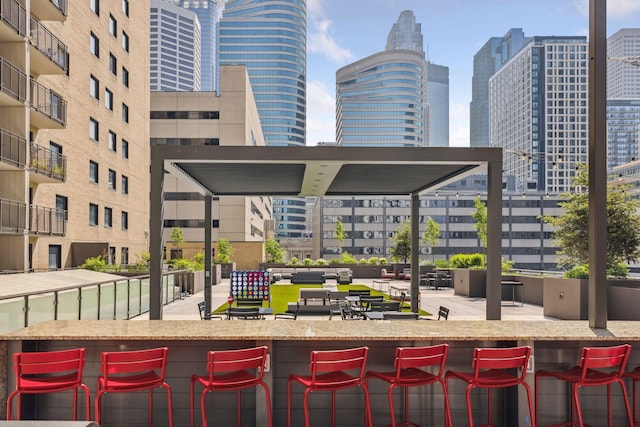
{"x": 556, "y": 345}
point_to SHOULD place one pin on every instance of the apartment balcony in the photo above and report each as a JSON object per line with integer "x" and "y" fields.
{"x": 13, "y": 21}
{"x": 13, "y": 216}
{"x": 49, "y": 10}
{"x": 48, "y": 53}
{"x": 48, "y": 109}
{"x": 13, "y": 85}
{"x": 48, "y": 166}
{"x": 13, "y": 151}
{"x": 49, "y": 221}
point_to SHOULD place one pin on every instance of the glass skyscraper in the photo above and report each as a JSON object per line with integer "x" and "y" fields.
{"x": 208, "y": 13}
{"x": 270, "y": 38}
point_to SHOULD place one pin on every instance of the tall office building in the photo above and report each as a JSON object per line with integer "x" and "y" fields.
{"x": 495, "y": 52}
{"x": 175, "y": 48}
{"x": 623, "y": 78}
{"x": 71, "y": 173}
{"x": 438, "y": 105}
{"x": 623, "y": 131}
{"x": 538, "y": 112}
{"x": 270, "y": 38}
{"x": 381, "y": 99}
{"x": 208, "y": 13}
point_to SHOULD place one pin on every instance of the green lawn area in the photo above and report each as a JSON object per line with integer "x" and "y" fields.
{"x": 281, "y": 295}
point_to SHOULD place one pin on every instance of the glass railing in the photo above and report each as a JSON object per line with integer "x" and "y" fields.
{"x": 12, "y": 13}
{"x": 13, "y": 149}
{"x": 43, "y": 220}
{"x": 48, "y": 162}
{"x": 12, "y": 80}
{"x": 13, "y": 216}
{"x": 47, "y": 43}
{"x": 48, "y": 102}
{"x": 121, "y": 299}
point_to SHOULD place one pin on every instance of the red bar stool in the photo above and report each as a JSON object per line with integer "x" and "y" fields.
{"x": 48, "y": 372}
{"x": 229, "y": 370}
{"x": 408, "y": 362}
{"x": 491, "y": 367}
{"x": 594, "y": 370}
{"x": 330, "y": 372}
{"x": 127, "y": 371}
{"x": 635, "y": 377}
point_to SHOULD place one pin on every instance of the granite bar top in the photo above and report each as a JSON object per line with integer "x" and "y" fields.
{"x": 335, "y": 330}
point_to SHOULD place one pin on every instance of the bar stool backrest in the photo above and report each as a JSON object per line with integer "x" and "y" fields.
{"x": 501, "y": 358}
{"x": 604, "y": 358}
{"x": 421, "y": 357}
{"x": 118, "y": 363}
{"x": 237, "y": 360}
{"x": 339, "y": 360}
{"x": 63, "y": 362}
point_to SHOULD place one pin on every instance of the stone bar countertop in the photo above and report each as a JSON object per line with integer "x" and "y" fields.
{"x": 305, "y": 330}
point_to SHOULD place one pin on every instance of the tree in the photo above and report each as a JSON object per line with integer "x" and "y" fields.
{"x": 431, "y": 235}
{"x": 225, "y": 250}
{"x": 571, "y": 230}
{"x": 273, "y": 250}
{"x": 177, "y": 237}
{"x": 402, "y": 249}
{"x": 480, "y": 217}
{"x": 341, "y": 234}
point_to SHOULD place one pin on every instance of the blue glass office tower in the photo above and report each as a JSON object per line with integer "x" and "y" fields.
{"x": 270, "y": 38}
{"x": 208, "y": 13}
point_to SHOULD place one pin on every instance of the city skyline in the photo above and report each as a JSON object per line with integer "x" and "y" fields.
{"x": 335, "y": 38}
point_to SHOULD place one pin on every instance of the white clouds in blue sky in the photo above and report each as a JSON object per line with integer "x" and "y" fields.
{"x": 343, "y": 31}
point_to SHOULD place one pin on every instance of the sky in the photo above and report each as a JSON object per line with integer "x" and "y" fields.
{"x": 343, "y": 31}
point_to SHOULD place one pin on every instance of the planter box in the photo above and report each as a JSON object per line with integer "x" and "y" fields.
{"x": 623, "y": 300}
{"x": 565, "y": 299}
{"x": 470, "y": 283}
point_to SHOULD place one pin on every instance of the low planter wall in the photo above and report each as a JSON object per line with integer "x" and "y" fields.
{"x": 469, "y": 283}
{"x": 565, "y": 299}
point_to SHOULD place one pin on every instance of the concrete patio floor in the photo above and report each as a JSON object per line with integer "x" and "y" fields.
{"x": 461, "y": 308}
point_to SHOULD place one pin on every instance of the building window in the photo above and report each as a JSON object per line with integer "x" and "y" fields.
{"x": 94, "y": 129}
{"x": 93, "y": 214}
{"x": 124, "y": 256}
{"x": 95, "y": 6}
{"x": 113, "y": 26}
{"x": 124, "y": 220}
{"x": 111, "y": 259}
{"x": 125, "y": 7}
{"x": 93, "y": 171}
{"x": 125, "y": 113}
{"x": 125, "y": 41}
{"x": 94, "y": 87}
{"x": 108, "y": 99}
{"x": 62, "y": 205}
{"x": 55, "y": 257}
{"x": 125, "y": 149}
{"x": 108, "y": 218}
{"x": 113, "y": 64}
{"x": 125, "y": 77}
{"x": 94, "y": 45}
{"x": 125, "y": 184}
{"x": 112, "y": 140}
{"x": 112, "y": 179}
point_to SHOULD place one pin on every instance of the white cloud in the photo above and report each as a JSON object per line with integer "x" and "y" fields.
{"x": 319, "y": 37}
{"x": 458, "y": 125}
{"x": 321, "y": 111}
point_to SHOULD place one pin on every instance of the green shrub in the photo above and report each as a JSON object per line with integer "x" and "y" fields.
{"x": 620, "y": 270}
{"x": 307, "y": 262}
{"x": 578, "y": 272}
{"x": 467, "y": 261}
{"x": 362, "y": 261}
{"x": 294, "y": 261}
{"x": 382, "y": 261}
{"x": 442, "y": 263}
{"x": 322, "y": 261}
{"x": 182, "y": 264}
{"x": 95, "y": 264}
{"x": 373, "y": 260}
{"x": 344, "y": 258}
{"x": 507, "y": 265}
{"x": 198, "y": 261}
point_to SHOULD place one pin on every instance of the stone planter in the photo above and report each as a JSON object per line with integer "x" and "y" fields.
{"x": 565, "y": 299}
{"x": 470, "y": 283}
{"x": 226, "y": 269}
{"x": 623, "y": 300}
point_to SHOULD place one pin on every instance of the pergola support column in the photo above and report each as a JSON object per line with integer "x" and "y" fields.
{"x": 156, "y": 208}
{"x": 415, "y": 251}
{"x": 494, "y": 240}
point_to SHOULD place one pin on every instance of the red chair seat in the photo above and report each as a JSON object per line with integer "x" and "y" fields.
{"x": 492, "y": 369}
{"x": 48, "y": 372}
{"x": 231, "y": 370}
{"x": 408, "y": 361}
{"x": 598, "y": 366}
{"x": 332, "y": 370}
{"x": 133, "y": 370}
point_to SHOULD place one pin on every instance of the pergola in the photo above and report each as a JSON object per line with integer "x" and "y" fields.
{"x": 325, "y": 171}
